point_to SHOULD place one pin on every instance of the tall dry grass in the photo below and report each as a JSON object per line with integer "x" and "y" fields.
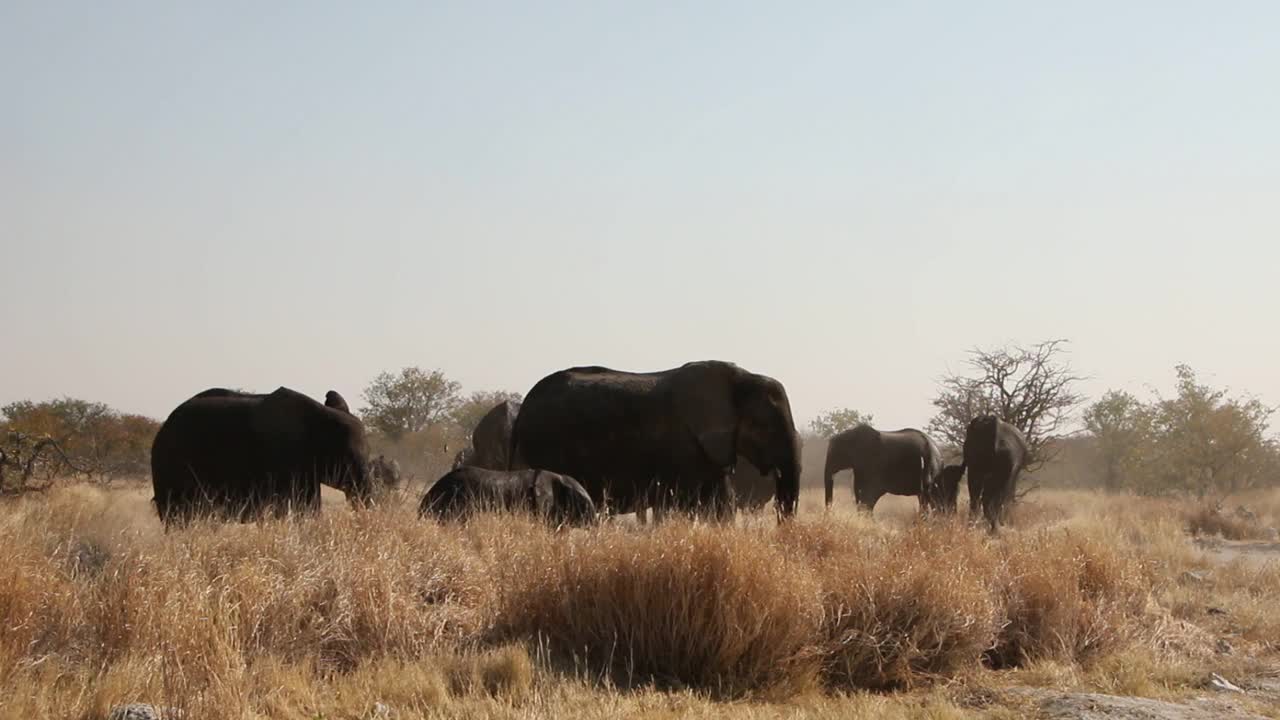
{"x": 328, "y": 616}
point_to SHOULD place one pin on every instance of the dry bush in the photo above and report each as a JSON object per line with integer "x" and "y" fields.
{"x": 899, "y": 609}
{"x": 1066, "y": 597}
{"x": 681, "y": 606}
{"x": 1210, "y": 520}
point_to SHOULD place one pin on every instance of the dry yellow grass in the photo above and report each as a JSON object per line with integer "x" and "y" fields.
{"x": 338, "y": 615}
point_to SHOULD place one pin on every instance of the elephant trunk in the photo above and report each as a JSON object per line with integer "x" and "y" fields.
{"x": 788, "y": 485}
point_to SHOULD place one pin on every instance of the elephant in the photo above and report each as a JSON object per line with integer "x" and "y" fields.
{"x": 945, "y": 489}
{"x": 384, "y": 474}
{"x": 628, "y": 437}
{"x": 235, "y": 455}
{"x": 901, "y": 462}
{"x": 491, "y": 440}
{"x": 557, "y": 498}
{"x": 334, "y": 400}
{"x": 995, "y": 452}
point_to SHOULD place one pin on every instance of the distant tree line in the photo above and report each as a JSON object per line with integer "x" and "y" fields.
{"x": 1203, "y": 440}
{"x": 41, "y": 441}
{"x": 1200, "y": 441}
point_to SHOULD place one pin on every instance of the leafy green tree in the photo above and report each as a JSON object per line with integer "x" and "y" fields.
{"x": 1202, "y": 440}
{"x": 409, "y": 401}
{"x": 1121, "y": 426}
{"x": 837, "y": 421}
{"x": 1208, "y": 441}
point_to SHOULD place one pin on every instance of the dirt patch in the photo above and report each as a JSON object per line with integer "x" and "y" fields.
{"x": 1254, "y": 553}
{"x": 1094, "y": 706}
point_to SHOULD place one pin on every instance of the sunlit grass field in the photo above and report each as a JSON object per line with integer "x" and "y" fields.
{"x": 379, "y": 614}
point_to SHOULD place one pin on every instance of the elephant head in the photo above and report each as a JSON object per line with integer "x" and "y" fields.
{"x": 981, "y": 436}
{"x": 734, "y": 413}
{"x": 384, "y": 477}
{"x": 843, "y": 450}
{"x": 767, "y": 436}
{"x": 562, "y": 499}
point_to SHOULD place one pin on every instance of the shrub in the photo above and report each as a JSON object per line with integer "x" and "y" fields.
{"x": 684, "y": 605}
{"x": 1066, "y": 597}
{"x": 900, "y": 608}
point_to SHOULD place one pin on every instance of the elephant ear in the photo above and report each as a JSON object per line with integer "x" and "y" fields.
{"x": 702, "y": 397}
{"x": 280, "y": 420}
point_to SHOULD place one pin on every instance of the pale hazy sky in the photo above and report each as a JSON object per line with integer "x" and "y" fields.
{"x": 843, "y": 195}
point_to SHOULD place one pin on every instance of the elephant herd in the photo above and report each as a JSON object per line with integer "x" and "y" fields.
{"x": 706, "y": 438}
{"x": 908, "y": 462}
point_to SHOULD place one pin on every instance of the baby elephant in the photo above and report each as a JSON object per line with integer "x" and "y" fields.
{"x": 557, "y": 498}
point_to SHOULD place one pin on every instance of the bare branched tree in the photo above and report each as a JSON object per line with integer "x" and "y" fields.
{"x": 1032, "y": 388}
{"x": 22, "y": 454}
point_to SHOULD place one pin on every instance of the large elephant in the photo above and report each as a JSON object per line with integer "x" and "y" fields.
{"x": 995, "y": 452}
{"x": 235, "y": 455}
{"x": 619, "y": 432}
{"x": 491, "y": 440}
{"x": 557, "y": 498}
{"x": 901, "y": 462}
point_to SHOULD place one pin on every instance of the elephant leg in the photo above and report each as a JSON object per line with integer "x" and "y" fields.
{"x": 992, "y": 510}
{"x": 660, "y": 499}
{"x": 865, "y": 492}
{"x": 871, "y": 498}
{"x": 725, "y": 500}
{"x": 975, "y": 495}
{"x": 714, "y": 499}
{"x": 857, "y": 489}
{"x": 641, "y": 505}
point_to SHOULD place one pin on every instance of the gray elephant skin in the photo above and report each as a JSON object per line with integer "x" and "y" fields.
{"x": 236, "y": 455}
{"x": 619, "y": 433}
{"x": 752, "y": 490}
{"x": 901, "y": 462}
{"x": 995, "y": 452}
{"x": 491, "y": 440}
{"x": 557, "y": 498}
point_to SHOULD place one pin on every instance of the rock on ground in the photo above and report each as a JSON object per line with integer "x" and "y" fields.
{"x": 142, "y": 711}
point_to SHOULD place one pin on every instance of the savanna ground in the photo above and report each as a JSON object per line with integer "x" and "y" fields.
{"x": 378, "y": 614}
